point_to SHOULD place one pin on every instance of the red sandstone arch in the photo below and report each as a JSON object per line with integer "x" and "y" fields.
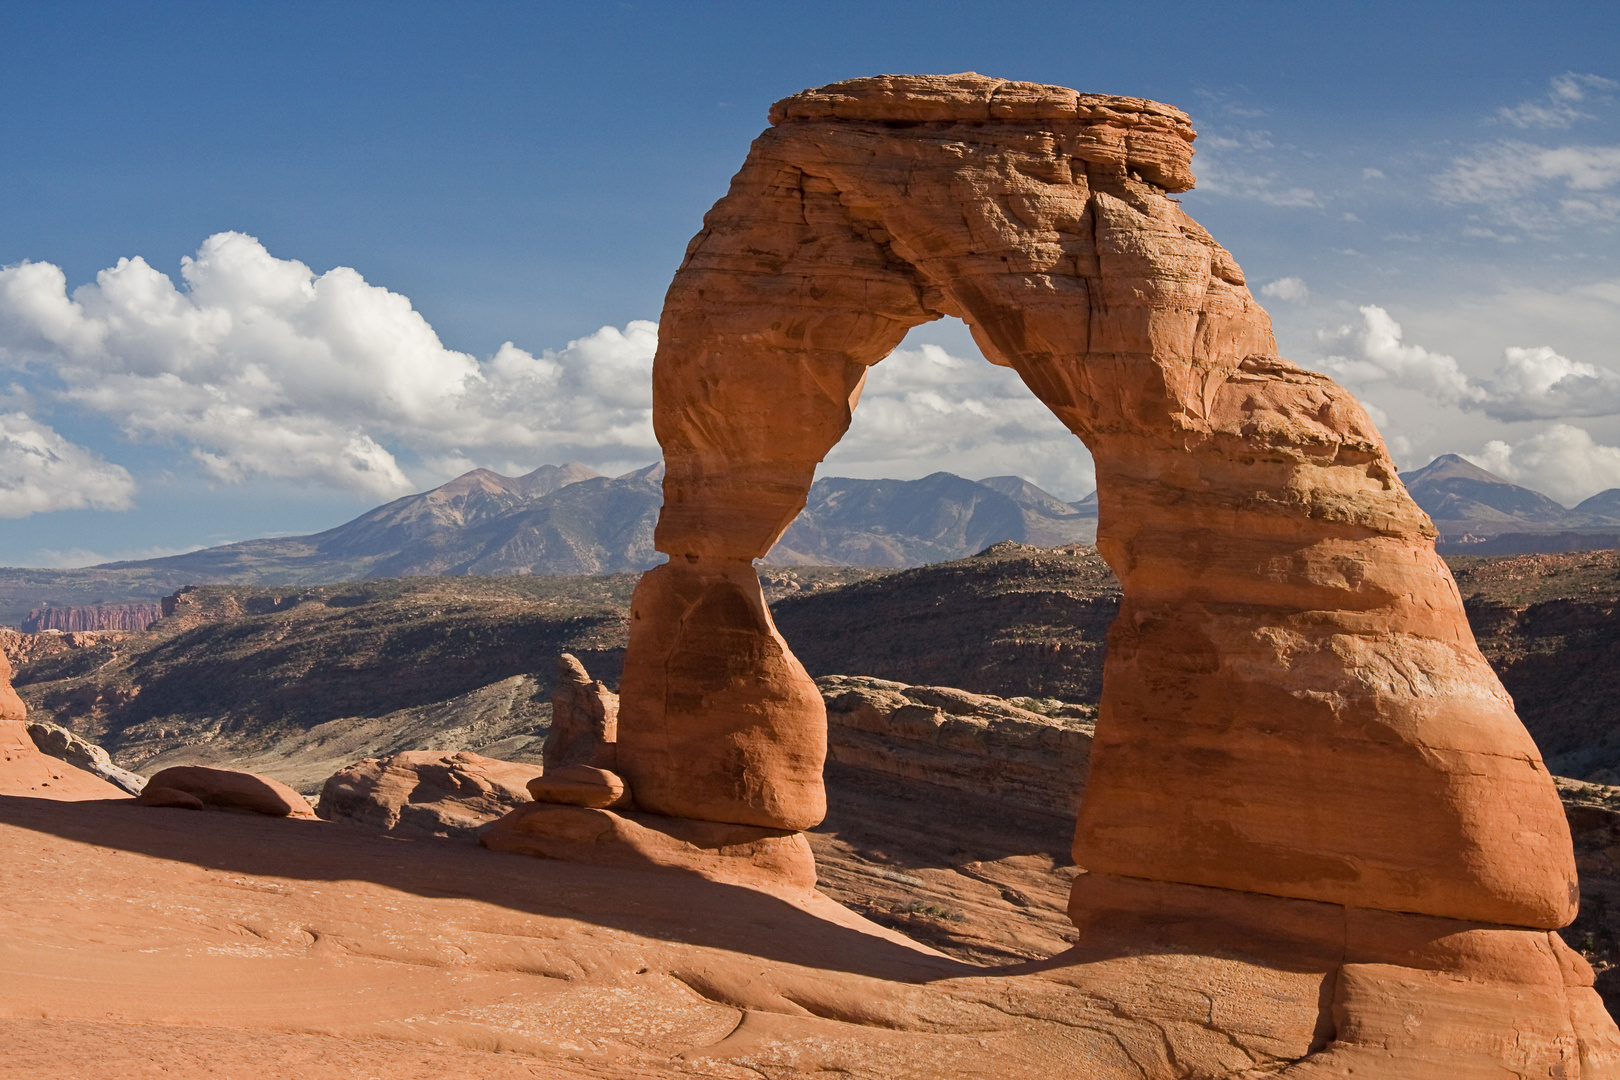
{"x": 1293, "y": 702}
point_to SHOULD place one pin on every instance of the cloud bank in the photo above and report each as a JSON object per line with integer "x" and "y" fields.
{"x": 258, "y": 367}
{"x": 1530, "y": 384}
{"x": 261, "y": 367}
{"x": 1564, "y": 461}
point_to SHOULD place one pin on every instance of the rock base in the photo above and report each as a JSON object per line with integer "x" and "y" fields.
{"x": 26, "y": 771}
{"x": 1401, "y": 994}
{"x": 734, "y": 854}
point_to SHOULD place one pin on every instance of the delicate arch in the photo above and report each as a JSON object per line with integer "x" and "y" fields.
{"x": 1293, "y": 703}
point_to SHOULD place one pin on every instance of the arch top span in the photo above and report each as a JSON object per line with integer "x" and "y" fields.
{"x": 1139, "y": 135}
{"x": 1293, "y": 703}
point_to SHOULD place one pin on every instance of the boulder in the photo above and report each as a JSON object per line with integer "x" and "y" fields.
{"x": 198, "y": 787}
{"x": 61, "y": 743}
{"x": 426, "y": 792}
{"x": 584, "y": 718}
{"x": 581, "y": 785}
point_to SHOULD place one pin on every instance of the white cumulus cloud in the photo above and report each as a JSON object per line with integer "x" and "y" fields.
{"x": 40, "y": 471}
{"x": 1564, "y": 461}
{"x": 1530, "y": 384}
{"x": 1289, "y": 289}
{"x": 262, "y": 367}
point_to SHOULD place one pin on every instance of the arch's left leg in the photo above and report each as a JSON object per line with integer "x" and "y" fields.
{"x": 767, "y": 331}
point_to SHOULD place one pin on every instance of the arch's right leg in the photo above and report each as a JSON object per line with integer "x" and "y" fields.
{"x": 783, "y": 302}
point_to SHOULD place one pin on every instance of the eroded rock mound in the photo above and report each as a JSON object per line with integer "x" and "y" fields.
{"x": 775, "y": 859}
{"x": 197, "y": 787}
{"x": 27, "y": 770}
{"x": 426, "y": 792}
{"x": 584, "y": 718}
{"x": 61, "y": 743}
{"x": 955, "y": 739}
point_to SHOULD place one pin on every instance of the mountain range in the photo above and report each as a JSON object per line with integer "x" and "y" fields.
{"x": 1479, "y": 513}
{"x": 567, "y": 519}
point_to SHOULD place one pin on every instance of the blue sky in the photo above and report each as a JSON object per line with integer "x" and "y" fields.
{"x": 1425, "y": 196}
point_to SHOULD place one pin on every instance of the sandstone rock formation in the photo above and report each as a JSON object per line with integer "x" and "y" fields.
{"x": 775, "y": 859}
{"x": 1282, "y": 599}
{"x": 954, "y": 739}
{"x": 25, "y": 769}
{"x": 584, "y": 718}
{"x": 582, "y": 785}
{"x": 197, "y": 787}
{"x": 1294, "y": 710}
{"x": 584, "y": 811}
{"x": 61, "y": 743}
{"x": 426, "y": 792}
{"x": 11, "y": 706}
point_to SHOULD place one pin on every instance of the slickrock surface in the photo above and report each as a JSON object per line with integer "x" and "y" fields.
{"x": 733, "y": 854}
{"x": 954, "y": 739}
{"x": 25, "y": 770}
{"x": 238, "y": 945}
{"x": 425, "y": 792}
{"x": 196, "y": 787}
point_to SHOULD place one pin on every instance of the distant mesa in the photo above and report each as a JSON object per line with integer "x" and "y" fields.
{"x": 136, "y": 616}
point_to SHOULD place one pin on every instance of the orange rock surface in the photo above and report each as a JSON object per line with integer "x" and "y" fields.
{"x": 425, "y": 792}
{"x": 11, "y": 706}
{"x": 242, "y": 946}
{"x": 581, "y": 785}
{"x": 1318, "y": 842}
{"x": 198, "y": 787}
{"x": 26, "y": 770}
{"x": 584, "y": 717}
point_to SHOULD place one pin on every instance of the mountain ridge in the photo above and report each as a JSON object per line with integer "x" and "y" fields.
{"x": 567, "y": 520}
